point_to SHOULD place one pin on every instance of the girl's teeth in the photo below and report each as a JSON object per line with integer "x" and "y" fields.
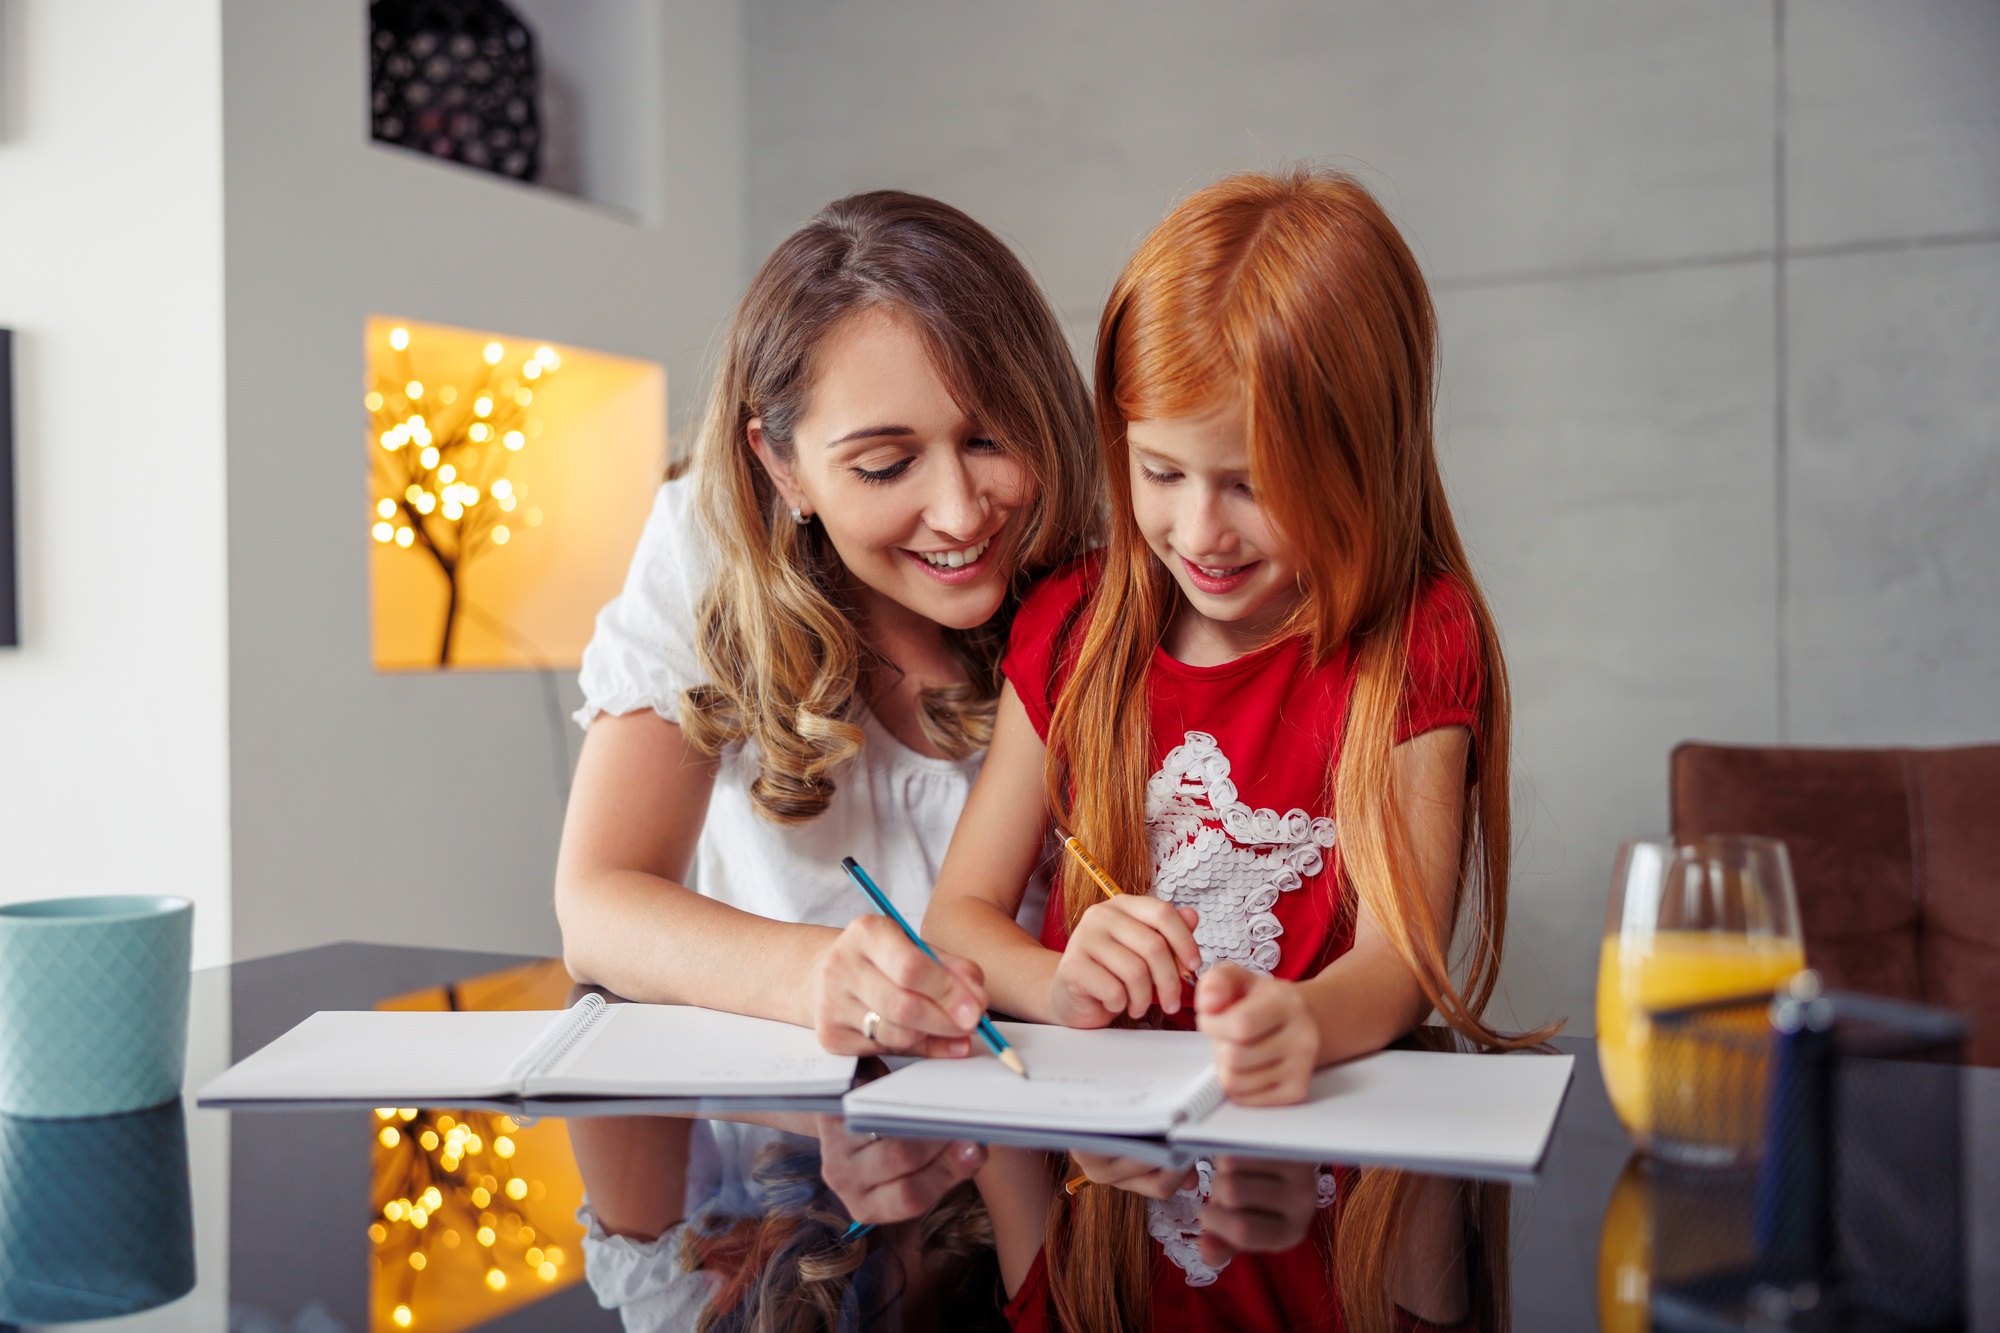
{"x": 956, "y": 559}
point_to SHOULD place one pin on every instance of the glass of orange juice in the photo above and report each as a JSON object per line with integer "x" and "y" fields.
{"x": 1707, "y": 919}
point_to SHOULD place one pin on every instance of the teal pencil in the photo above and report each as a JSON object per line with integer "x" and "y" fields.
{"x": 1005, "y": 1053}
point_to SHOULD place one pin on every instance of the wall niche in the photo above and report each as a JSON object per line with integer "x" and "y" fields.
{"x": 562, "y": 95}
{"x": 508, "y": 480}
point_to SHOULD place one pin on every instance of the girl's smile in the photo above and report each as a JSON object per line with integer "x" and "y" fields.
{"x": 1218, "y": 581}
{"x": 1196, "y": 508}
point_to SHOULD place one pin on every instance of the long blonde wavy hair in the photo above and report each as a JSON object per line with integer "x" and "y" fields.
{"x": 778, "y": 632}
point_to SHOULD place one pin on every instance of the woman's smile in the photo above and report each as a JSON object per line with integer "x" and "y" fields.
{"x": 953, "y": 564}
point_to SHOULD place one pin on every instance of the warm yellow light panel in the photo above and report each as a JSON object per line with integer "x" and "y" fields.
{"x": 547, "y": 540}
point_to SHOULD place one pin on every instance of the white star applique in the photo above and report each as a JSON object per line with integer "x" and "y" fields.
{"x": 1215, "y": 854}
{"x": 1230, "y": 863}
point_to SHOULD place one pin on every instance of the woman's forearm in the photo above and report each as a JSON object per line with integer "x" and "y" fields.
{"x": 1019, "y": 970}
{"x": 649, "y": 939}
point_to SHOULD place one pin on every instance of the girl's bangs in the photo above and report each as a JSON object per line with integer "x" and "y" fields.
{"x": 1171, "y": 352}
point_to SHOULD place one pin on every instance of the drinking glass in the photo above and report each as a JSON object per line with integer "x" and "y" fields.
{"x": 1710, "y": 918}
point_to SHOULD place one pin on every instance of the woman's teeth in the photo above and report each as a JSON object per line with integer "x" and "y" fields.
{"x": 955, "y": 559}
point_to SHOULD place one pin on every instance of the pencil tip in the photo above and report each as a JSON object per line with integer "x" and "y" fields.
{"x": 1012, "y": 1060}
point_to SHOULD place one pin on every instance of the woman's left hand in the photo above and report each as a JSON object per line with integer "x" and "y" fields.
{"x": 1266, "y": 1042}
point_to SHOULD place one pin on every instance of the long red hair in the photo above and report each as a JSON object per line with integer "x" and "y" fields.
{"x": 1295, "y": 294}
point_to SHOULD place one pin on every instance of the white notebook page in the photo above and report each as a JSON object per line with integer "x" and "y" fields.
{"x": 671, "y": 1050}
{"x": 388, "y": 1057}
{"x": 1111, "y": 1080}
{"x": 1408, "y": 1108}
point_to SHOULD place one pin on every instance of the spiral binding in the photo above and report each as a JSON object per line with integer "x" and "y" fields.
{"x": 558, "y": 1040}
{"x": 1206, "y": 1098}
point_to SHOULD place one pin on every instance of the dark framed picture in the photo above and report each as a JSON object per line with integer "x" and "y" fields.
{"x": 10, "y": 598}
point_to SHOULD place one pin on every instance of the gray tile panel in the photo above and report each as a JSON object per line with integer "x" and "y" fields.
{"x": 1607, "y": 444}
{"x": 1894, "y": 589}
{"x": 1892, "y": 124}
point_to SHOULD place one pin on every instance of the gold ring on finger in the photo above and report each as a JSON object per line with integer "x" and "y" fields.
{"x": 869, "y": 1023}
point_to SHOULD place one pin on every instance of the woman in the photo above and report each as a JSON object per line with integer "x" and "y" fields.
{"x": 803, "y": 664}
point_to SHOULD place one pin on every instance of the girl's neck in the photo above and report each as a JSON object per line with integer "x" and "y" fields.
{"x": 1197, "y": 640}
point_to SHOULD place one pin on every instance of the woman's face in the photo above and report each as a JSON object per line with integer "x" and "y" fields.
{"x": 922, "y": 507}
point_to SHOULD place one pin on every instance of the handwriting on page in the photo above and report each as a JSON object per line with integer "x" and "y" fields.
{"x": 798, "y": 1066}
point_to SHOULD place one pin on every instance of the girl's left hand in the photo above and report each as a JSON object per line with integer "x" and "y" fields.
{"x": 1266, "y": 1042}
{"x": 1256, "y": 1204}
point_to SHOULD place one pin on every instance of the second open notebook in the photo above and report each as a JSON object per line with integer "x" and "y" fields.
{"x": 588, "y": 1050}
{"x": 1473, "y": 1112}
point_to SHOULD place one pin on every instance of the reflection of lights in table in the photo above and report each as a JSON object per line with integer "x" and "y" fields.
{"x": 447, "y": 1195}
{"x": 472, "y": 1210}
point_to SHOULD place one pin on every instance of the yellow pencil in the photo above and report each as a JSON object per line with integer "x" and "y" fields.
{"x": 1089, "y": 863}
{"x": 1107, "y": 884}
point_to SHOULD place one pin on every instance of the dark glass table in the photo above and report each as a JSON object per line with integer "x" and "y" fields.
{"x": 433, "y": 1218}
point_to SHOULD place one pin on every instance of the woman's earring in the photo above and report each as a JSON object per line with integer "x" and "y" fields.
{"x": 800, "y": 517}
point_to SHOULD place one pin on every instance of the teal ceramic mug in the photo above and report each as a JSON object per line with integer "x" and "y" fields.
{"x": 95, "y": 1216}
{"x": 93, "y": 1004}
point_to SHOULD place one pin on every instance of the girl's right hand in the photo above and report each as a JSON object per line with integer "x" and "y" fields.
{"x": 1155, "y": 1182}
{"x": 924, "y": 1006}
{"x": 1126, "y": 954}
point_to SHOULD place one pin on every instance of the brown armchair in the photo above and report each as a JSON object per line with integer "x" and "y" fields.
{"x": 1897, "y": 857}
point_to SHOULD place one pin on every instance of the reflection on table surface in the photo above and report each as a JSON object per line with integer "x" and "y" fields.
{"x": 447, "y": 1218}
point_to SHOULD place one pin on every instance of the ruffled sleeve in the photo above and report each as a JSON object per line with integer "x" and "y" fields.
{"x": 642, "y": 654}
{"x": 1038, "y": 652}
{"x": 645, "y": 1281}
{"x": 1446, "y": 669}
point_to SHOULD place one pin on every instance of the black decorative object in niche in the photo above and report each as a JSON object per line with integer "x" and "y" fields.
{"x": 457, "y": 79}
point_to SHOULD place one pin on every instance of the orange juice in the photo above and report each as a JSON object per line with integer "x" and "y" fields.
{"x": 1666, "y": 968}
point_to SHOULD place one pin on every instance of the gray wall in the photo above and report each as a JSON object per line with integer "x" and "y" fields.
{"x": 1720, "y": 289}
{"x": 420, "y": 807}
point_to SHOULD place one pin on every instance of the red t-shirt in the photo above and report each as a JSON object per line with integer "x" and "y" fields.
{"x": 1293, "y": 1290}
{"x": 1239, "y": 806}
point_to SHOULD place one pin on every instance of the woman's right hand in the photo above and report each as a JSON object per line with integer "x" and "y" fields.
{"x": 924, "y": 1006}
{"x": 1126, "y": 954}
{"x": 891, "y": 1180}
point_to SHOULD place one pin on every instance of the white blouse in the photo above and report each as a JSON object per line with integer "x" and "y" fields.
{"x": 892, "y": 808}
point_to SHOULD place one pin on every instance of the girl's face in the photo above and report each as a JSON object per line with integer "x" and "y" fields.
{"x": 922, "y": 507}
{"x": 1192, "y": 498}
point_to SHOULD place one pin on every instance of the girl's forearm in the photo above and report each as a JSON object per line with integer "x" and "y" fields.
{"x": 1018, "y": 968}
{"x": 1017, "y": 1186}
{"x": 1362, "y": 1001}
{"x": 652, "y": 940}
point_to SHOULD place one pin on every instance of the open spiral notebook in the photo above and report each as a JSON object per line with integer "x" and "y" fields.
{"x": 1474, "y": 1113}
{"x": 591, "y": 1049}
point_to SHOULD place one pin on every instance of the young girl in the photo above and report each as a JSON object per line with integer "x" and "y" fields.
{"x": 1274, "y": 708}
